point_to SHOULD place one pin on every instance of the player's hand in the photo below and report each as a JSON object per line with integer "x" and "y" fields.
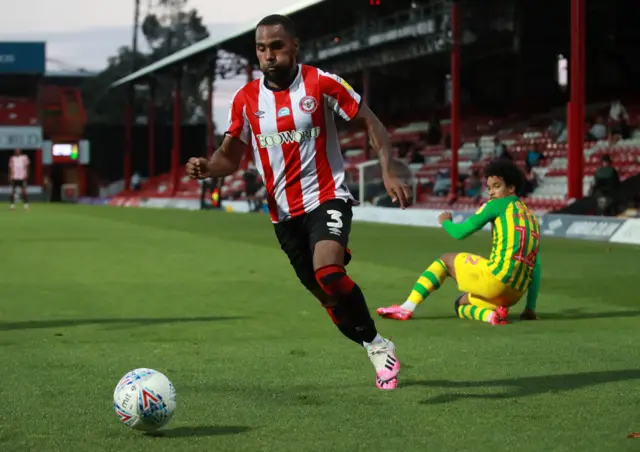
{"x": 529, "y": 314}
{"x": 198, "y": 168}
{"x": 398, "y": 191}
{"x": 444, "y": 216}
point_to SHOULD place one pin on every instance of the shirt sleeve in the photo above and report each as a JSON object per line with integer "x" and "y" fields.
{"x": 340, "y": 96}
{"x": 475, "y": 222}
{"x": 238, "y": 124}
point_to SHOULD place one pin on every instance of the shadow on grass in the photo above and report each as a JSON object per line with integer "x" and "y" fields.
{"x": 184, "y": 432}
{"x": 523, "y": 387}
{"x": 570, "y": 314}
{"x": 38, "y": 324}
{"x": 579, "y": 314}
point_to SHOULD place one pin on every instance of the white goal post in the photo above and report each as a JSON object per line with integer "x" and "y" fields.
{"x": 370, "y": 184}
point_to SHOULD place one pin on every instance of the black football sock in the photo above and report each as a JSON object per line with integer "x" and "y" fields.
{"x": 356, "y": 305}
{"x": 355, "y": 314}
{"x": 340, "y": 320}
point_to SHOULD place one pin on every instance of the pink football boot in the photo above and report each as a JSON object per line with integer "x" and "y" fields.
{"x": 395, "y": 312}
{"x": 500, "y": 316}
{"x": 383, "y": 357}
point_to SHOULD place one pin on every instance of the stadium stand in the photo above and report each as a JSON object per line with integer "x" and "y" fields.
{"x": 16, "y": 111}
{"x": 550, "y": 194}
{"x": 405, "y": 62}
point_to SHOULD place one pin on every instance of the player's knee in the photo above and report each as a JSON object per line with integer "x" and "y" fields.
{"x": 328, "y": 252}
{"x": 449, "y": 260}
{"x": 334, "y": 281}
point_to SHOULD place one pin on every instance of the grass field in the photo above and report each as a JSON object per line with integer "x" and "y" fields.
{"x": 89, "y": 293}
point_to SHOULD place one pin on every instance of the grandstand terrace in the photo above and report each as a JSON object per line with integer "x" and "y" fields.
{"x": 399, "y": 56}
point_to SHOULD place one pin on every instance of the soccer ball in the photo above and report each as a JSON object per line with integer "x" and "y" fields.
{"x": 144, "y": 399}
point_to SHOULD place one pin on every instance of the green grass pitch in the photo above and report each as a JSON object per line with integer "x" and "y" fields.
{"x": 89, "y": 293}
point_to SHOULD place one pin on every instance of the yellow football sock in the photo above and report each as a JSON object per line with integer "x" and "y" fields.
{"x": 467, "y": 311}
{"x": 429, "y": 281}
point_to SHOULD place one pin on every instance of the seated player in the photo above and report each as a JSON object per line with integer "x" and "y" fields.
{"x": 491, "y": 286}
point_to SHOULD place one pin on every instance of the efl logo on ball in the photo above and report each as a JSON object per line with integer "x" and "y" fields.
{"x": 144, "y": 399}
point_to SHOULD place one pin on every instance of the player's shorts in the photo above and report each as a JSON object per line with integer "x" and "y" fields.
{"x": 485, "y": 290}
{"x": 18, "y": 183}
{"x": 298, "y": 236}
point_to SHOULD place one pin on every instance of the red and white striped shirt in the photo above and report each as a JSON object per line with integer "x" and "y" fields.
{"x": 18, "y": 167}
{"x": 294, "y": 138}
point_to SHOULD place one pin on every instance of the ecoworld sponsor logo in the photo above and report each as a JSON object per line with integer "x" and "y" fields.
{"x": 593, "y": 229}
{"x": 550, "y": 225}
{"x": 288, "y": 137}
{"x": 628, "y": 233}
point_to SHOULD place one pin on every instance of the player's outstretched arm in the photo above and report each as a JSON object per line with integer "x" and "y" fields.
{"x": 224, "y": 162}
{"x": 472, "y": 224}
{"x": 381, "y": 143}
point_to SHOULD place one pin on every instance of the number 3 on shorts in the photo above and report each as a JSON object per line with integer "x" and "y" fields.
{"x": 335, "y": 223}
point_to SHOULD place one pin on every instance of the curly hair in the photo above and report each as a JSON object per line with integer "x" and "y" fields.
{"x": 507, "y": 171}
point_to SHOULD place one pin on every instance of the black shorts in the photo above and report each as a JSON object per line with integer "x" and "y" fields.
{"x": 18, "y": 183}
{"x": 298, "y": 237}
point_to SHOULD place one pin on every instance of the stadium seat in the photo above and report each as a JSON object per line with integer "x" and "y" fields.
{"x": 18, "y": 112}
{"x": 520, "y": 136}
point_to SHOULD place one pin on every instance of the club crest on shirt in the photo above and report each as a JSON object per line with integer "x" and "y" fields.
{"x": 308, "y": 104}
{"x": 284, "y": 111}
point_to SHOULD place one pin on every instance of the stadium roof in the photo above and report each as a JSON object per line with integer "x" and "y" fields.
{"x": 205, "y": 45}
{"x": 70, "y": 74}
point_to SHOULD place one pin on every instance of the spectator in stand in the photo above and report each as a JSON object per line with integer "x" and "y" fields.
{"x": 416, "y": 156}
{"x": 252, "y": 185}
{"x": 209, "y": 186}
{"x": 504, "y": 153}
{"x": 555, "y": 128}
{"x": 403, "y": 150}
{"x": 473, "y": 184}
{"x": 598, "y": 130}
{"x": 534, "y": 157}
{"x": 621, "y": 128}
{"x": 136, "y": 181}
{"x": 500, "y": 150}
{"x": 530, "y": 181}
{"x": 442, "y": 184}
{"x": 564, "y": 136}
{"x": 617, "y": 111}
{"x": 434, "y": 133}
{"x": 476, "y": 155}
{"x": 605, "y": 184}
{"x": 260, "y": 199}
